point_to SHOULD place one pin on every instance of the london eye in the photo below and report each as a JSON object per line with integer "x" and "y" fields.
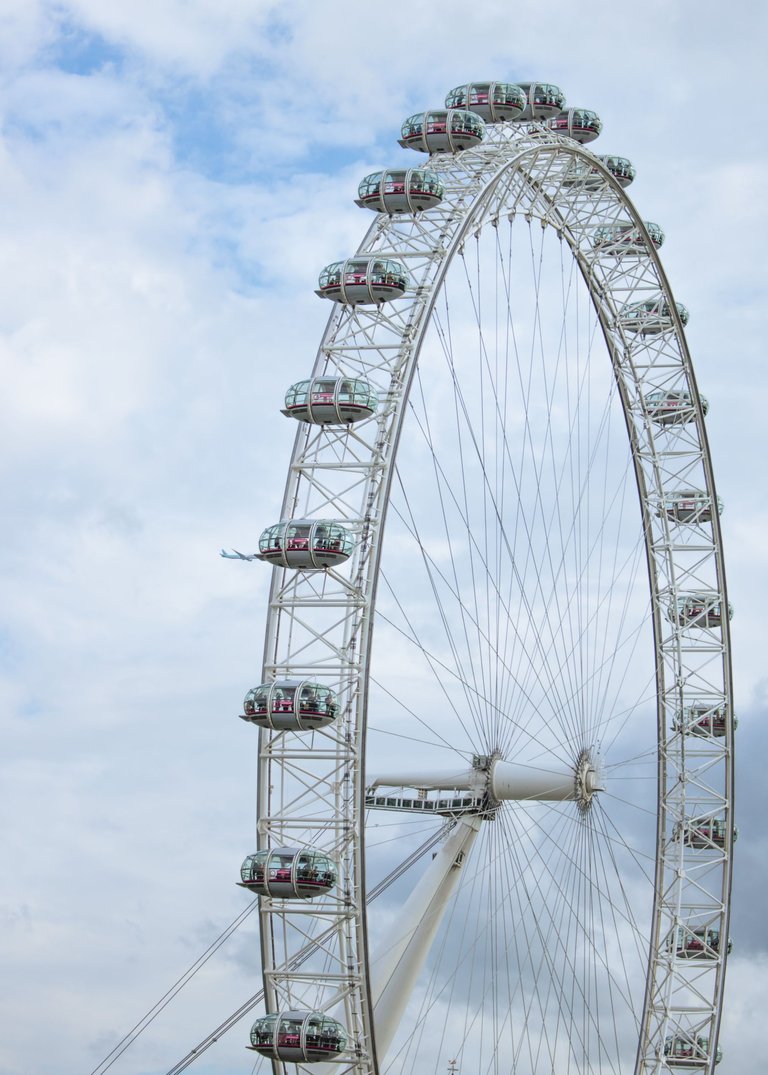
{"x": 496, "y": 678}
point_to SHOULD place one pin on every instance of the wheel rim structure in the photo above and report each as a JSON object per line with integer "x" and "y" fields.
{"x": 313, "y": 788}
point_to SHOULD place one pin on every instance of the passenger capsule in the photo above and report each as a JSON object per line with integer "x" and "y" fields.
{"x": 704, "y": 833}
{"x": 688, "y": 506}
{"x": 406, "y": 190}
{"x": 363, "y": 281}
{"x": 293, "y": 705}
{"x": 331, "y": 401}
{"x": 682, "y": 1051}
{"x": 288, "y": 873}
{"x": 702, "y": 943}
{"x": 543, "y": 100}
{"x": 702, "y": 720}
{"x": 298, "y": 1037}
{"x": 443, "y": 131}
{"x": 311, "y": 544}
{"x": 495, "y": 102}
{"x": 651, "y": 317}
{"x": 620, "y": 239}
{"x": 622, "y": 170}
{"x": 580, "y": 124}
{"x": 698, "y": 610}
{"x": 673, "y": 408}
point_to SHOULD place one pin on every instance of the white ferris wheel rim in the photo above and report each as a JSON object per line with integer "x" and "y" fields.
{"x": 521, "y": 170}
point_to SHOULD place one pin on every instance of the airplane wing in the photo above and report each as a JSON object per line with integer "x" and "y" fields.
{"x": 235, "y": 555}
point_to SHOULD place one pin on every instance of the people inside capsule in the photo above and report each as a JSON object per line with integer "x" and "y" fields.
{"x": 689, "y": 506}
{"x": 622, "y": 170}
{"x": 290, "y": 705}
{"x": 331, "y": 401}
{"x": 288, "y": 873}
{"x": 298, "y": 1036}
{"x": 673, "y": 407}
{"x": 702, "y": 943}
{"x": 580, "y": 124}
{"x": 442, "y": 131}
{"x": 704, "y": 832}
{"x": 495, "y": 102}
{"x": 698, "y": 610}
{"x": 363, "y": 281}
{"x": 651, "y": 317}
{"x": 543, "y": 100}
{"x": 406, "y": 190}
{"x": 703, "y": 720}
{"x": 693, "y": 1049}
{"x": 312, "y": 544}
{"x": 627, "y": 238}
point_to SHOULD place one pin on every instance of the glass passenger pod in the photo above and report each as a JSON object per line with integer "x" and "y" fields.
{"x": 495, "y": 102}
{"x": 580, "y": 124}
{"x": 331, "y": 401}
{"x": 673, "y": 408}
{"x": 312, "y": 544}
{"x": 441, "y": 131}
{"x": 703, "y": 721}
{"x": 544, "y": 100}
{"x": 702, "y": 944}
{"x": 622, "y": 170}
{"x": 698, "y": 610}
{"x": 363, "y": 281}
{"x": 406, "y": 190}
{"x": 288, "y": 873}
{"x": 298, "y": 1037}
{"x": 682, "y": 1051}
{"x": 651, "y": 317}
{"x": 621, "y": 239}
{"x": 688, "y": 506}
{"x": 704, "y": 833}
{"x": 293, "y": 705}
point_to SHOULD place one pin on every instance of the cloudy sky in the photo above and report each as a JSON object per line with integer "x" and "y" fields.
{"x": 174, "y": 174}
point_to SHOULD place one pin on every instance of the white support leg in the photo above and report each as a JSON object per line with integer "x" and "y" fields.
{"x": 395, "y": 969}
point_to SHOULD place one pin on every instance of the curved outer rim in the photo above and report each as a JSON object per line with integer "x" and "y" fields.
{"x": 523, "y": 165}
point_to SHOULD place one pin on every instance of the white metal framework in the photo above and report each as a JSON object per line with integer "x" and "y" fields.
{"x": 576, "y": 739}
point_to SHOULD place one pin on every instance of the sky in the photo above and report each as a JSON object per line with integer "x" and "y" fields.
{"x": 174, "y": 175}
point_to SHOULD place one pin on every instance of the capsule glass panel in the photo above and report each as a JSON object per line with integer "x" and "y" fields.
{"x": 703, "y": 832}
{"x": 441, "y": 131}
{"x": 702, "y": 720}
{"x": 580, "y": 124}
{"x": 688, "y": 506}
{"x": 288, "y": 873}
{"x": 701, "y": 943}
{"x": 312, "y": 544}
{"x": 622, "y": 170}
{"x": 493, "y": 101}
{"x": 544, "y": 100}
{"x": 673, "y": 408}
{"x": 621, "y": 239}
{"x": 698, "y": 610}
{"x": 682, "y": 1051}
{"x": 298, "y": 1037}
{"x": 407, "y": 190}
{"x": 363, "y": 281}
{"x": 651, "y": 317}
{"x": 290, "y": 705}
{"x": 331, "y": 401}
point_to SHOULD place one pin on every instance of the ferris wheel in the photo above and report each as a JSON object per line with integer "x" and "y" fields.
{"x": 495, "y": 750}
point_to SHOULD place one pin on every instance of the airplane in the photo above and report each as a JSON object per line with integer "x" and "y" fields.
{"x": 235, "y": 555}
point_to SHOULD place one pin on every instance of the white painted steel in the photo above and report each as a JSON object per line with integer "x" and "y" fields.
{"x": 311, "y": 788}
